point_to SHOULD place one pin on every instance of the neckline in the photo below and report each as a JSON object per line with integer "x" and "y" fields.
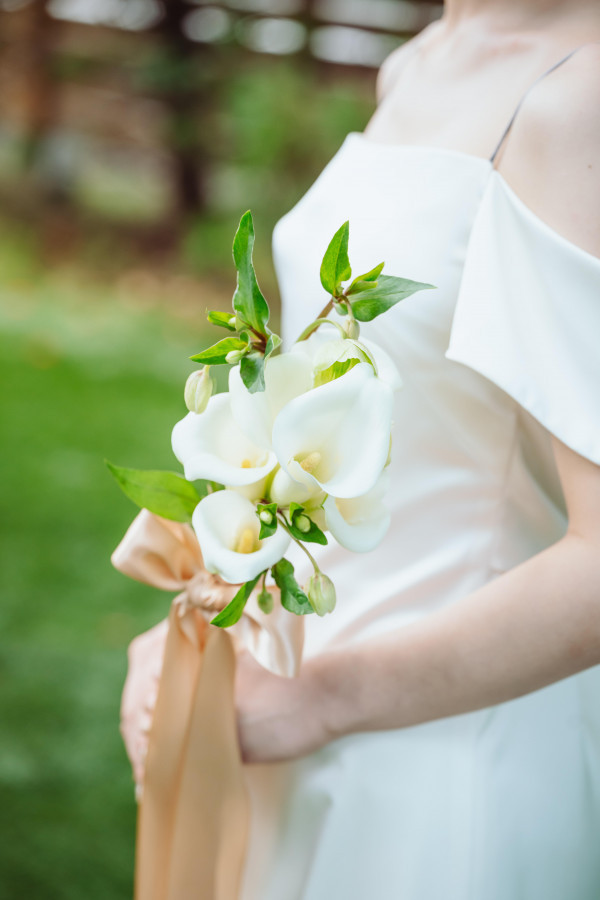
{"x": 493, "y": 175}
{"x": 418, "y": 148}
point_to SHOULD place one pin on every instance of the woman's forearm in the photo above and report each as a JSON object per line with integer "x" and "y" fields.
{"x": 527, "y": 628}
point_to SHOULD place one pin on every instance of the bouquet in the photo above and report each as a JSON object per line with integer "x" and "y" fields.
{"x": 297, "y": 447}
{"x": 295, "y": 451}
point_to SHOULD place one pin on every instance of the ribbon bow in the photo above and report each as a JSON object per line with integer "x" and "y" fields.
{"x": 193, "y": 817}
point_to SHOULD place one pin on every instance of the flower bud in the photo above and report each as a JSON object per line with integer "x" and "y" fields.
{"x": 340, "y": 308}
{"x": 302, "y": 523}
{"x": 234, "y": 356}
{"x": 198, "y": 390}
{"x": 265, "y": 601}
{"x": 352, "y": 329}
{"x": 234, "y": 322}
{"x": 266, "y": 516}
{"x": 321, "y": 593}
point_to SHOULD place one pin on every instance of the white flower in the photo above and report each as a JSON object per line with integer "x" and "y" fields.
{"x": 227, "y": 529}
{"x": 286, "y": 376}
{"x": 337, "y": 435}
{"x": 285, "y": 490}
{"x": 387, "y": 371}
{"x": 359, "y": 523}
{"x": 212, "y": 446}
{"x": 339, "y": 350}
{"x": 325, "y": 347}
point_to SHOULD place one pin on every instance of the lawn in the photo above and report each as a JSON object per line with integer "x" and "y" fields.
{"x": 86, "y": 373}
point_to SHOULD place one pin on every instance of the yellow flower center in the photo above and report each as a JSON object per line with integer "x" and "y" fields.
{"x": 246, "y": 542}
{"x": 246, "y": 464}
{"x": 310, "y": 462}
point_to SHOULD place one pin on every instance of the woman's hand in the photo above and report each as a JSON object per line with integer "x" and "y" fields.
{"x": 145, "y": 655}
{"x": 278, "y": 718}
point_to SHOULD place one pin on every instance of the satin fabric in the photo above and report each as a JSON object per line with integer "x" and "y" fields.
{"x": 504, "y": 803}
{"x": 194, "y": 812}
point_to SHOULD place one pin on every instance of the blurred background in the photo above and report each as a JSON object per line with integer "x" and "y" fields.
{"x": 133, "y": 135}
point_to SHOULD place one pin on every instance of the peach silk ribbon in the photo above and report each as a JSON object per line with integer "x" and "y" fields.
{"x": 193, "y": 816}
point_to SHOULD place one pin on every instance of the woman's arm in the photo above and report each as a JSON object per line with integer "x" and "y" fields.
{"x": 529, "y": 627}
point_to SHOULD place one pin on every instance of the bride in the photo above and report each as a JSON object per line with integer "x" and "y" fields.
{"x": 443, "y": 737}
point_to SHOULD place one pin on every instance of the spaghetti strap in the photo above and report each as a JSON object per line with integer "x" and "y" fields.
{"x": 522, "y": 100}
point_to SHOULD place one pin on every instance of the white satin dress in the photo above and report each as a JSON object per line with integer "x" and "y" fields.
{"x": 503, "y": 803}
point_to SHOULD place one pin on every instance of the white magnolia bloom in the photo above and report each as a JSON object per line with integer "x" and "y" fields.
{"x": 212, "y": 446}
{"x": 337, "y": 435}
{"x": 286, "y": 376}
{"x": 227, "y": 529}
{"x": 359, "y": 523}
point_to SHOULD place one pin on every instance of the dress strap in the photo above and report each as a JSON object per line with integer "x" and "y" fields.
{"x": 522, "y": 100}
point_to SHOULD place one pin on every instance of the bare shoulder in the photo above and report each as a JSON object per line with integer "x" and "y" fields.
{"x": 553, "y": 158}
{"x": 392, "y": 66}
{"x": 567, "y": 108}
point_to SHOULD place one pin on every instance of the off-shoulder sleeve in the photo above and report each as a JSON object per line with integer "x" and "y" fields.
{"x": 528, "y": 318}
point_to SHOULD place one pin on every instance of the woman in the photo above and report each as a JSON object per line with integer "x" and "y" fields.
{"x": 439, "y": 741}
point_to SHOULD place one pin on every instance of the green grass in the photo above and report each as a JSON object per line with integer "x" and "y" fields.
{"x": 83, "y": 377}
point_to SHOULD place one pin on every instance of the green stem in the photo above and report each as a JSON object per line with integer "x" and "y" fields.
{"x": 327, "y": 308}
{"x": 316, "y": 324}
{"x": 300, "y": 544}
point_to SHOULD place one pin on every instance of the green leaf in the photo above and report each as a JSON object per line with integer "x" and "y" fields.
{"x": 335, "y": 370}
{"x": 216, "y": 317}
{"x": 248, "y": 300}
{"x": 314, "y": 535}
{"x": 293, "y": 597}
{"x": 234, "y": 609}
{"x": 216, "y": 354}
{"x": 335, "y": 267}
{"x": 252, "y": 372}
{"x": 166, "y": 494}
{"x": 389, "y": 291}
{"x": 367, "y": 281}
{"x": 272, "y": 344}
{"x": 267, "y": 530}
{"x": 205, "y": 487}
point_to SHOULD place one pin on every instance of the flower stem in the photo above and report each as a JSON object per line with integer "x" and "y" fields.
{"x": 314, "y": 325}
{"x": 300, "y": 544}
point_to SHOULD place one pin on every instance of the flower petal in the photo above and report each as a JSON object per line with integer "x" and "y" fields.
{"x": 220, "y": 521}
{"x": 285, "y": 490}
{"x": 286, "y": 376}
{"x": 360, "y": 523}
{"x": 325, "y": 346}
{"x": 342, "y": 429}
{"x": 387, "y": 370}
{"x": 212, "y": 446}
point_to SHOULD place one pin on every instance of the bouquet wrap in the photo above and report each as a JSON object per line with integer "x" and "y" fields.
{"x": 193, "y": 816}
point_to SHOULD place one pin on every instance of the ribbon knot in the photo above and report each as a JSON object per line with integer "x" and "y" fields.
{"x": 204, "y": 591}
{"x": 193, "y": 816}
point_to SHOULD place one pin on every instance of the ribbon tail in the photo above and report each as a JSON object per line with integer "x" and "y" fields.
{"x": 194, "y": 813}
